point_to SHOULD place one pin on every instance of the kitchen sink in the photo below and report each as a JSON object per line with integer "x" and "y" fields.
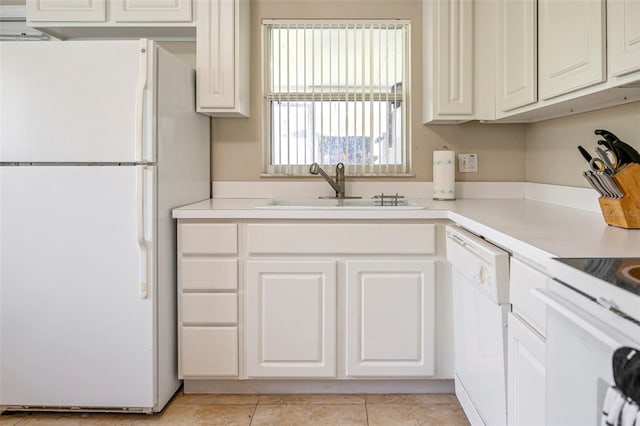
{"x": 335, "y": 203}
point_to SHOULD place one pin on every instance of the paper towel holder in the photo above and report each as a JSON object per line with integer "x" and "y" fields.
{"x": 444, "y": 175}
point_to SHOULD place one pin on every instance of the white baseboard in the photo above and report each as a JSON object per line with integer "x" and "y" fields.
{"x": 279, "y": 189}
{"x": 568, "y": 196}
{"x": 317, "y": 386}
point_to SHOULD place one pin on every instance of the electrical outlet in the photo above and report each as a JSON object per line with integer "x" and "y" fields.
{"x": 467, "y": 163}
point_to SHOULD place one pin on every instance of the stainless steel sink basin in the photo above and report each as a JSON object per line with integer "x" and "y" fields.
{"x": 334, "y": 203}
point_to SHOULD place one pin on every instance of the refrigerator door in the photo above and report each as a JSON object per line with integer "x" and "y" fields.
{"x": 75, "y": 101}
{"x": 77, "y": 324}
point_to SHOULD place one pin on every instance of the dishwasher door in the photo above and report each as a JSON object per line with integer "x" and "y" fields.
{"x": 480, "y": 339}
{"x": 480, "y": 277}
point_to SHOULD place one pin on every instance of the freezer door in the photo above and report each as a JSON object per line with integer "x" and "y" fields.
{"x": 76, "y": 325}
{"x": 75, "y": 101}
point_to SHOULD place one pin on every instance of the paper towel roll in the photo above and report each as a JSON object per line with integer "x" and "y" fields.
{"x": 444, "y": 175}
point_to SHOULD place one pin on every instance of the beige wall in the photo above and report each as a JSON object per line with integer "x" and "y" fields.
{"x": 543, "y": 152}
{"x": 551, "y": 148}
{"x": 185, "y": 50}
{"x": 237, "y": 143}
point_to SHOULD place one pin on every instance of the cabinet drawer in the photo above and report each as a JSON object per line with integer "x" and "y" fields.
{"x": 523, "y": 278}
{"x": 341, "y": 239}
{"x": 209, "y": 274}
{"x": 209, "y": 351}
{"x": 208, "y": 238}
{"x": 209, "y": 308}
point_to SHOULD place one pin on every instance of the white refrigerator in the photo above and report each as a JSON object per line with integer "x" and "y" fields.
{"x": 99, "y": 140}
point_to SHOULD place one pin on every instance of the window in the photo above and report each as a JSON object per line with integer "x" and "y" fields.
{"x": 336, "y": 92}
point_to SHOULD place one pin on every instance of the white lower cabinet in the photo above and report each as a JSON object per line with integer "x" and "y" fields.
{"x": 209, "y": 351}
{"x": 527, "y": 346}
{"x": 291, "y": 318}
{"x": 207, "y": 300}
{"x": 526, "y": 375}
{"x": 390, "y": 313}
{"x": 310, "y": 300}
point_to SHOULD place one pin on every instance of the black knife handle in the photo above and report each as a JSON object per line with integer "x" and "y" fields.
{"x": 585, "y": 154}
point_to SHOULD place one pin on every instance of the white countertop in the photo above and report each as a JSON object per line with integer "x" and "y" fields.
{"x": 531, "y": 229}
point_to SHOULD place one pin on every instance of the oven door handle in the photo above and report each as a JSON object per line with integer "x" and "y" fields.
{"x": 594, "y": 326}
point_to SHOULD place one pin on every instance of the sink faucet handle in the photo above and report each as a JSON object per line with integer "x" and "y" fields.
{"x": 340, "y": 180}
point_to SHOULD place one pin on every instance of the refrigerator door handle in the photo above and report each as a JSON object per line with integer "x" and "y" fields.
{"x": 140, "y": 89}
{"x": 142, "y": 242}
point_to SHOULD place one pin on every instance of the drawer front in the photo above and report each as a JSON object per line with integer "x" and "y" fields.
{"x": 198, "y": 309}
{"x": 209, "y": 352}
{"x": 209, "y": 238}
{"x": 209, "y": 274}
{"x": 523, "y": 278}
{"x": 341, "y": 239}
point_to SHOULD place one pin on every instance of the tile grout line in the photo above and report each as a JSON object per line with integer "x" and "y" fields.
{"x": 366, "y": 411}
{"x": 255, "y": 409}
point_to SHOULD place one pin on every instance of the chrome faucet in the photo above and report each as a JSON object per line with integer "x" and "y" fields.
{"x": 338, "y": 184}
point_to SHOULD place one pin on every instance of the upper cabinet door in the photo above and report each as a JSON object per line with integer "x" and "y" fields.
{"x": 455, "y": 57}
{"x": 623, "y": 36}
{"x": 66, "y": 10}
{"x": 223, "y": 58}
{"x": 448, "y": 60}
{"x": 152, "y": 11}
{"x": 572, "y": 45}
{"x": 516, "y": 78}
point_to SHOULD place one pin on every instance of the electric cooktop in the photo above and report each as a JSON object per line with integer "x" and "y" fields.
{"x": 623, "y": 272}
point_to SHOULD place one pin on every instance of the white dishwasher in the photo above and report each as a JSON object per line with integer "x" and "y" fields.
{"x": 480, "y": 276}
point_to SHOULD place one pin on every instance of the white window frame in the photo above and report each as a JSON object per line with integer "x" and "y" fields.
{"x": 403, "y": 169}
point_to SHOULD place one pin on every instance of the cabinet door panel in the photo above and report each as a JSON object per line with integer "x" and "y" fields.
{"x": 66, "y": 10}
{"x": 572, "y": 42}
{"x": 390, "y": 318}
{"x": 516, "y": 77}
{"x": 216, "y": 54}
{"x": 623, "y": 36}
{"x": 151, "y": 10}
{"x": 209, "y": 352}
{"x": 208, "y": 238}
{"x": 199, "y": 274}
{"x": 526, "y": 375}
{"x": 291, "y": 319}
{"x": 209, "y": 309}
{"x": 454, "y": 56}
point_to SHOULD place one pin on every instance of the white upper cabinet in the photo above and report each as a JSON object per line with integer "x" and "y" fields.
{"x": 64, "y": 19}
{"x": 572, "y": 45}
{"x": 66, "y": 10}
{"x": 223, "y": 58}
{"x": 448, "y": 60}
{"x": 516, "y": 65}
{"x": 623, "y": 36}
{"x": 152, "y": 11}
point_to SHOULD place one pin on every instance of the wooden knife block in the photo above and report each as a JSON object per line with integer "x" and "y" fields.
{"x": 624, "y": 212}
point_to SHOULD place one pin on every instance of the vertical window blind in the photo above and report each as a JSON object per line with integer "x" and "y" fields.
{"x": 336, "y": 91}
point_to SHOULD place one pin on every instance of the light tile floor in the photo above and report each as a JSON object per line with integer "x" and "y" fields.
{"x": 261, "y": 410}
